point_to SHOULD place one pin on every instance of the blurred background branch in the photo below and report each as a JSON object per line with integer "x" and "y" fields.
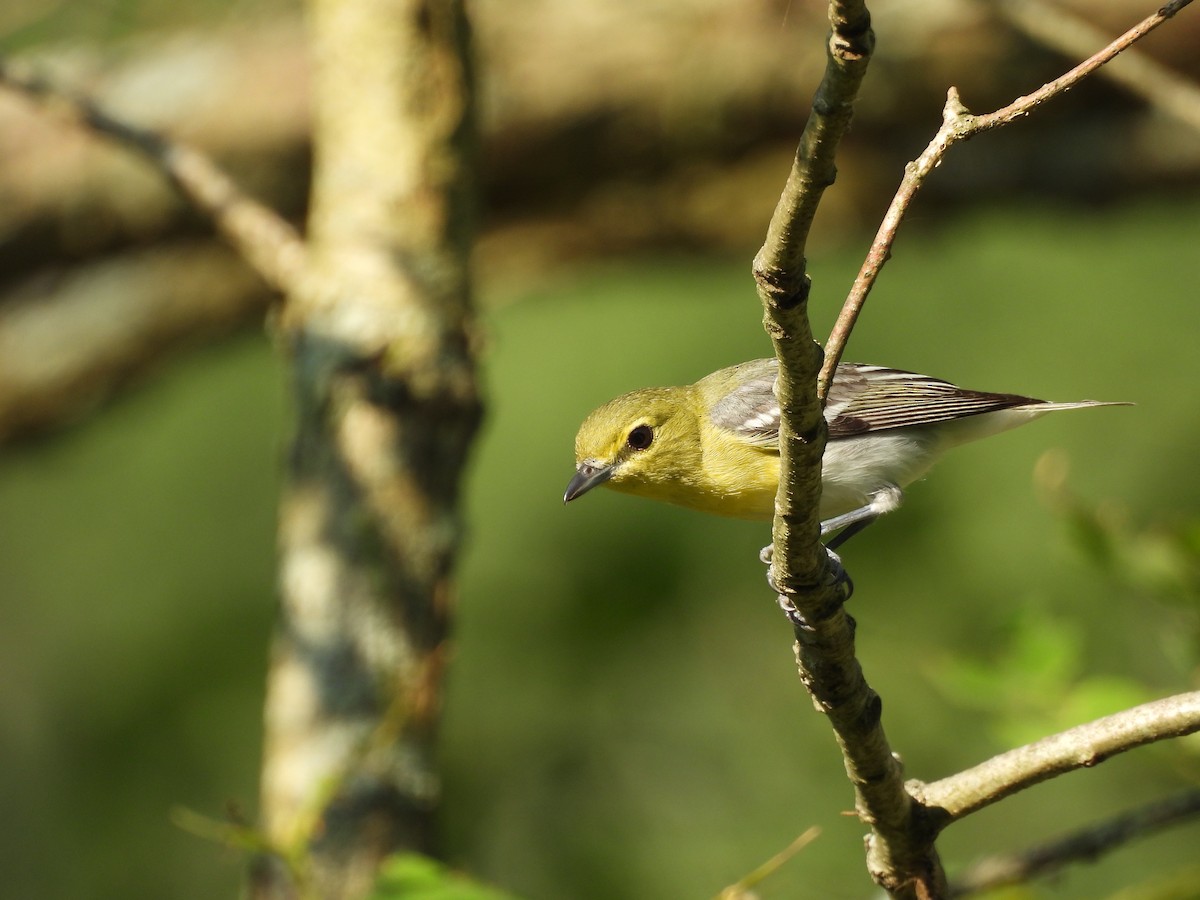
{"x": 259, "y": 235}
{"x": 665, "y": 146}
{"x": 377, "y": 330}
{"x": 378, "y": 335}
{"x": 71, "y": 338}
{"x": 1085, "y": 845}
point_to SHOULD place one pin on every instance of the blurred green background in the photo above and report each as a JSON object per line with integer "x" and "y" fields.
{"x": 623, "y": 717}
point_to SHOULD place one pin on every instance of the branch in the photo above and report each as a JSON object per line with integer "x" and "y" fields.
{"x": 1085, "y": 845}
{"x": 68, "y": 343}
{"x": 811, "y": 593}
{"x": 901, "y": 855}
{"x": 1071, "y": 35}
{"x": 783, "y": 286}
{"x": 267, "y": 242}
{"x": 958, "y": 124}
{"x": 800, "y": 567}
{"x": 1084, "y": 746}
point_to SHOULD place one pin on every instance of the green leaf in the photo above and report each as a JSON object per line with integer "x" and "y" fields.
{"x": 1183, "y": 884}
{"x": 410, "y": 876}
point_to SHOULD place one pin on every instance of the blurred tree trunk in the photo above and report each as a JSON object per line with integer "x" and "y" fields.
{"x": 387, "y": 405}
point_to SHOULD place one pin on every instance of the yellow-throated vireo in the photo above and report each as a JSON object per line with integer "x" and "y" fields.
{"x": 714, "y": 445}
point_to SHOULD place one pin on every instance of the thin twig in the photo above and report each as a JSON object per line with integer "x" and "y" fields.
{"x": 264, "y": 239}
{"x": 744, "y": 887}
{"x": 1085, "y": 845}
{"x": 1061, "y": 30}
{"x": 958, "y": 124}
{"x": 1081, "y": 747}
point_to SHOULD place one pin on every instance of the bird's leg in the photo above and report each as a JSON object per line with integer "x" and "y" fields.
{"x": 846, "y": 533}
{"x": 885, "y": 500}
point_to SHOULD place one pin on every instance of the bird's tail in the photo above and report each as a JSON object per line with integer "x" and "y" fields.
{"x": 1051, "y": 406}
{"x": 973, "y": 428}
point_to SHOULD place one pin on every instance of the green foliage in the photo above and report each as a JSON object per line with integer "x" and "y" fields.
{"x": 1035, "y": 683}
{"x": 1182, "y": 884}
{"x": 624, "y": 718}
{"x": 652, "y": 672}
{"x": 1161, "y": 559}
{"x": 410, "y": 876}
{"x": 1036, "y": 680}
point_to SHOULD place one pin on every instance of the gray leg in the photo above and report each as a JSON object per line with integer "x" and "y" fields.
{"x": 885, "y": 500}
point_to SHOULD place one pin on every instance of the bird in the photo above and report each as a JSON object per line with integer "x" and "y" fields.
{"x": 713, "y": 446}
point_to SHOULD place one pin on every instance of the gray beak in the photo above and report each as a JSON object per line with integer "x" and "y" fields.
{"x": 587, "y": 476}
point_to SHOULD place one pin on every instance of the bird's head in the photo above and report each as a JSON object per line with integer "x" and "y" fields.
{"x": 640, "y": 443}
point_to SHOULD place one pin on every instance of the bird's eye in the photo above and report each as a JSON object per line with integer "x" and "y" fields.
{"x": 641, "y": 437}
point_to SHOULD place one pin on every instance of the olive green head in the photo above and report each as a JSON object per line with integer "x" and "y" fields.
{"x": 641, "y": 443}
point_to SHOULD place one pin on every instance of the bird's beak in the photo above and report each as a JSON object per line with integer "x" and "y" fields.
{"x": 587, "y": 476}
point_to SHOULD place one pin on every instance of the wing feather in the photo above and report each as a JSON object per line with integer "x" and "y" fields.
{"x": 862, "y": 399}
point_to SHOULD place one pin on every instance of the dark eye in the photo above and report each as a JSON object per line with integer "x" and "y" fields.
{"x": 641, "y": 437}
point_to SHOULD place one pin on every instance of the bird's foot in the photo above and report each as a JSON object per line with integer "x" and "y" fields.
{"x": 836, "y": 576}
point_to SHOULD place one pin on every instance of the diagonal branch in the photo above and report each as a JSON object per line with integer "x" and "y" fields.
{"x": 1136, "y": 71}
{"x": 958, "y": 124}
{"x": 1081, "y": 747}
{"x": 68, "y": 344}
{"x": 1085, "y": 845}
{"x": 267, "y": 242}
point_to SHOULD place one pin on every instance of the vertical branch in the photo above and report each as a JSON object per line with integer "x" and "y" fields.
{"x": 783, "y": 286}
{"x": 901, "y": 854}
{"x": 387, "y": 405}
{"x": 901, "y": 857}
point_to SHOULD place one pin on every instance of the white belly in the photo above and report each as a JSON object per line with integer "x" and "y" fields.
{"x": 855, "y": 468}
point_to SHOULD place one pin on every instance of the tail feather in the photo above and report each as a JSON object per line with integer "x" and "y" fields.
{"x": 972, "y": 428}
{"x": 1051, "y": 406}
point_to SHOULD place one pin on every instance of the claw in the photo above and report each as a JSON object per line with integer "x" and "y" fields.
{"x": 771, "y": 580}
{"x": 838, "y": 576}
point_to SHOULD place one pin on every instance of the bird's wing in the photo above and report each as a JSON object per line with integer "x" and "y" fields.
{"x": 864, "y": 398}
{"x": 861, "y": 399}
{"x": 750, "y": 410}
